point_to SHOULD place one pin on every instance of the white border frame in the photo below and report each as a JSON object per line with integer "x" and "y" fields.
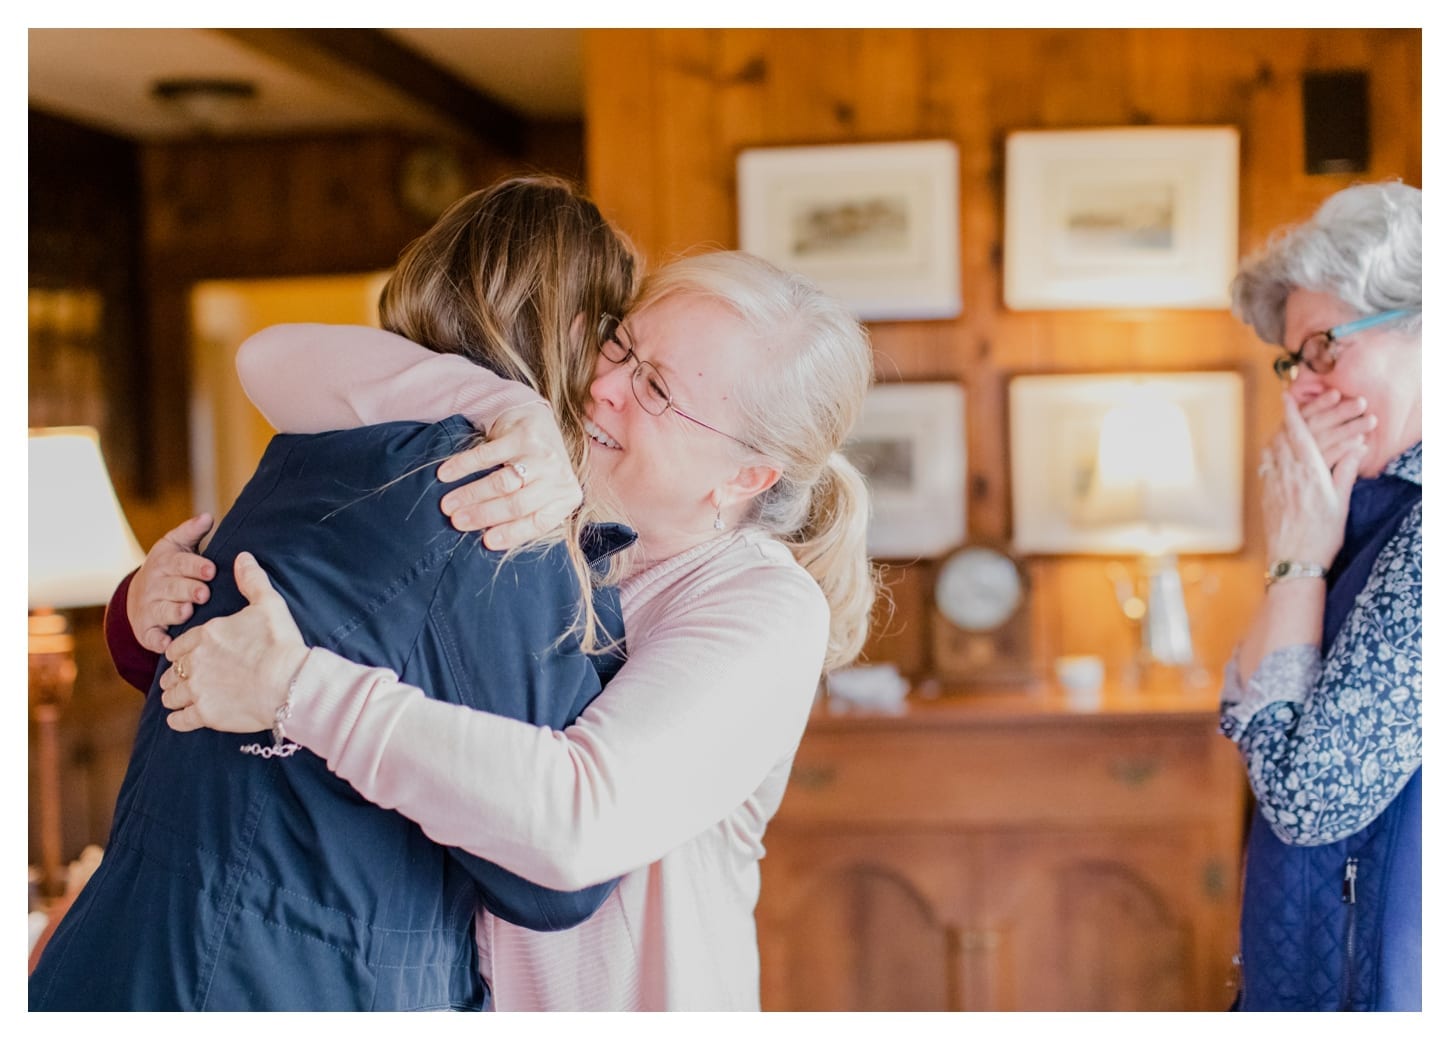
{"x": 1053, "y": 422}
{"x": 1047, "y": 267}
{"x": 918, "y": 277}
{"x": 929, "y": 517}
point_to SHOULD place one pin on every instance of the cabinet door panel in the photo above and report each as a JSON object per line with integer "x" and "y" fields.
{"x": 1094, "y": 921}
{"x": 854, "y": 922}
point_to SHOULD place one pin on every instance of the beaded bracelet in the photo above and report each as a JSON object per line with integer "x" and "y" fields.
{"x": 281, "y": 746}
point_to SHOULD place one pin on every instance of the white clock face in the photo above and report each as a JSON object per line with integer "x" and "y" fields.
{"x": 978, "y": 589}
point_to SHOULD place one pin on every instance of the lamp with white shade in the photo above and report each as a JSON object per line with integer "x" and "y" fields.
{"x": 1147, "y": 486}
{"x": 1141, "y": 464}
{"x": 80, "y": 546}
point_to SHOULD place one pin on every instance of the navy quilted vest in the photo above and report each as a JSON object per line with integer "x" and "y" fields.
{"x": 1337, "y": 927}
{"x": 234, "y": 882}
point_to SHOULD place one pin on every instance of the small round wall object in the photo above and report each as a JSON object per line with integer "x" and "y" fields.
{"x": 978, "y": 588}
{"x": 430, "y": 179}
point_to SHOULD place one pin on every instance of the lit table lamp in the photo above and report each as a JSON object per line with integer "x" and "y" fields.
{"x": 1139, "y": 464}
{"x": 80, "y": 547}
{"x": 1147, "y": 490}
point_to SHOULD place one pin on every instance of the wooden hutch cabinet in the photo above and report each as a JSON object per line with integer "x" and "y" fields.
{"x": 1002, "y": 852}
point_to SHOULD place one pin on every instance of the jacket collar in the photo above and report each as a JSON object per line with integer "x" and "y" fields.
{"x": 603, "y": 540}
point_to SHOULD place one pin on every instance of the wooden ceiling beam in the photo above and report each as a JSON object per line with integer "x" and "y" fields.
{"x": 368, "y": 60}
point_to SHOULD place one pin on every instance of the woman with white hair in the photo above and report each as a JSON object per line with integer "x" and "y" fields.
{"x": 714, "y": 420}
{"x": 1322, "y": 695}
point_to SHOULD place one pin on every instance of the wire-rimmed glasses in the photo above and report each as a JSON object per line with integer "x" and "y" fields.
{"x": 650, "y": 388}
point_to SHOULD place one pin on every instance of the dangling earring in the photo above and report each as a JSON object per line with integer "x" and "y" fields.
{"x": 719, "y": 524}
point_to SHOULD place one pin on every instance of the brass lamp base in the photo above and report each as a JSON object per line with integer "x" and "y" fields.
{"x": 52, "y": 678}
{"x": 1154, "y": 604}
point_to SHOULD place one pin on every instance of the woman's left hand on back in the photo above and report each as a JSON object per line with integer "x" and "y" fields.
{"x": 171, "y": 580}
{"x": 532, "y": 492}
{"x": 233, "y": 673}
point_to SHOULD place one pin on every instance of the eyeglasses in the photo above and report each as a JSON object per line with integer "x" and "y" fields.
{"x": 1320, "y": 350}
{"x": 650, "y": 388}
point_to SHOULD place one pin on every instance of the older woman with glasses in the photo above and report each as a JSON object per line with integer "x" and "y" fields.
{"x": 714, "y": 418}
{"x": 1322, "y": 695}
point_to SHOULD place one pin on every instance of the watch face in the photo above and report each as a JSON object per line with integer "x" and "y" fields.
{"x": 978, "y": 589}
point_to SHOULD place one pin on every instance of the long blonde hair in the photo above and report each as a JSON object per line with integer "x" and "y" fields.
{"x": 797, "y": 413}
{"x": 514, "y": 277}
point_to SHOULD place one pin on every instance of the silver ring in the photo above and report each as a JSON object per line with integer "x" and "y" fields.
{"x": 181, "y": 669}
{"x": 521, "y": 470}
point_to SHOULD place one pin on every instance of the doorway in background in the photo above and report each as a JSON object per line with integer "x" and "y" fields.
{"x": 228, "y": 434}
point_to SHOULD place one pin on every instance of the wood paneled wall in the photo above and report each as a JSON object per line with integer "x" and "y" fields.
{"x": 669, "y": 110}
{"x": 269, "y": 209}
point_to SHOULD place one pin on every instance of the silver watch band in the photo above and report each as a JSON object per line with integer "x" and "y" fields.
{"x": 1281, "y": 570}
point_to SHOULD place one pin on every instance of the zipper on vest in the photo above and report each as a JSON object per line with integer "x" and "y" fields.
{"x": 1348, "y": 895}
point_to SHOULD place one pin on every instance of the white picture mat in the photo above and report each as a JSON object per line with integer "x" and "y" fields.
{"x": 910, "y": 443}
{"x": 1053, "y": 422}
{"x": 1131, "y": 217}
{"x": 875, "y": 225}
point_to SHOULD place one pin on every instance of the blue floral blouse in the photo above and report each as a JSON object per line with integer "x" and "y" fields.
{"x": 1329, "y": 742}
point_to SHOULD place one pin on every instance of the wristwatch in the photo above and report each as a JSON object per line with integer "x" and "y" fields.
{"x": 1283, "y": 569}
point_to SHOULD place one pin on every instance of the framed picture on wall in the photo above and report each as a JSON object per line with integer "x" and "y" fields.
{"x": 1126, "y": 463}
{"x": 874, "y": 225}
{"x": 1130, "y": 217}
{"x": 910, "y": 443}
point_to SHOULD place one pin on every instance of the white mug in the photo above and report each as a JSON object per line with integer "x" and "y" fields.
{"x": 1081, "y": 676}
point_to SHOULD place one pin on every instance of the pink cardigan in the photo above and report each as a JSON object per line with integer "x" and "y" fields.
{"x": 669, "y": 778}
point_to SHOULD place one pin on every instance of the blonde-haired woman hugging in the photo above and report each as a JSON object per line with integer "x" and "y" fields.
{"x": 715, "y": 417}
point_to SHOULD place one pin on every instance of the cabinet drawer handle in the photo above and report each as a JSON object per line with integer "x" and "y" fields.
{"x": 1215, "y": 879}
{"x": 972, "y": 940}
{"x": 813, "y": 777}
{"x": 1133, "y": 772}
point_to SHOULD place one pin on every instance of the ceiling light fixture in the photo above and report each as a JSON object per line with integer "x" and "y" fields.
{"x": 206, "y": 104}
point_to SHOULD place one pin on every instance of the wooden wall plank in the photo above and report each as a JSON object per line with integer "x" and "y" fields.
{"x": 890, "y": 60}
{"x": 696, "y": 165}
{"x": 620, "y": 134}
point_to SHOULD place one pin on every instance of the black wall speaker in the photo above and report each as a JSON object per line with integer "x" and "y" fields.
{"x": 1336, "y": 122}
